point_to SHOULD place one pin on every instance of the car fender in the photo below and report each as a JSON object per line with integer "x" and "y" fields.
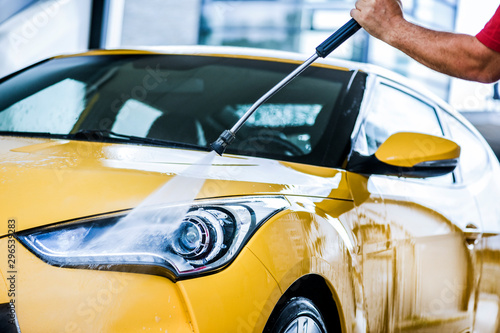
{"x": 306, "y": 240}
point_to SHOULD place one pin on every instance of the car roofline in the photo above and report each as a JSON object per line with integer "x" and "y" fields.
{"x": 229, "y": 51}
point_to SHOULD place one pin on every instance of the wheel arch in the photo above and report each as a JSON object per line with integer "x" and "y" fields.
{"x": 321, "y": 293}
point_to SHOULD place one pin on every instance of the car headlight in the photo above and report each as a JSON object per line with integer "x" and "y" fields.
{"x": 207, "y": 238}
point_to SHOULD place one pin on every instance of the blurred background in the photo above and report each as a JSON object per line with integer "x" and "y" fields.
{"x": 31, "y": 30}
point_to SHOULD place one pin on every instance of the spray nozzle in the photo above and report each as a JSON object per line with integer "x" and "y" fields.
{"x": 224, "y": 140}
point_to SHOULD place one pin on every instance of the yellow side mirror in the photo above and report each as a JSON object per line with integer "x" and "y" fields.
{"x": 408, "y": 150}
{"x": 407, "y": 154}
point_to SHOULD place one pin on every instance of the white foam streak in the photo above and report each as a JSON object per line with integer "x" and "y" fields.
{"x": 161, "y": 212}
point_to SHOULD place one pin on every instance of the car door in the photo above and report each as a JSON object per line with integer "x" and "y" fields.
{"x": 480, "y": 174}
{"x": 418, "y": 272}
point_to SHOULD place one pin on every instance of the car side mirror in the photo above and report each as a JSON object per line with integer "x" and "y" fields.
{"x": 406, "y": 154}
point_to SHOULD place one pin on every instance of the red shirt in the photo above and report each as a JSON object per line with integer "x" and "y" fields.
{"x": 490, "y": 35}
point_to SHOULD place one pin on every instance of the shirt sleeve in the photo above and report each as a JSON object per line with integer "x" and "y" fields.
{"x": 490, "y": 35}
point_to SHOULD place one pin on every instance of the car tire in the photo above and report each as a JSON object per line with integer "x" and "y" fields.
{"x": 299, "y": 315}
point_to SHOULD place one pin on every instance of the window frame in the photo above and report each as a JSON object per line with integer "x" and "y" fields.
{"x": 375, "y": 81}
{"x": 459, "y": 172}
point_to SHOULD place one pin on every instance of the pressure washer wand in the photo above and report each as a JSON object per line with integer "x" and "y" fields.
{"x": 323, "y": 50}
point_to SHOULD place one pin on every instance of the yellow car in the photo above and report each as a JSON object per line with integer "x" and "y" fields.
{"x": 349, "y": 202}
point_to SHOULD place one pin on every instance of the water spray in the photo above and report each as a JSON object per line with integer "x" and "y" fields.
{"x": 323, "y": 50}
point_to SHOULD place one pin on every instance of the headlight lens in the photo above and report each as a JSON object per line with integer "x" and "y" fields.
{"x": 207, "y": 238}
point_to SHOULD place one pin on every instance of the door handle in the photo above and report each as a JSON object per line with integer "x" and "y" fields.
{"x": 472, "y": 234}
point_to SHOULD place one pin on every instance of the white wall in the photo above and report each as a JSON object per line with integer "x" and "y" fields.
{"x": 45, "y": 29}
{"x": 153, "y": 23}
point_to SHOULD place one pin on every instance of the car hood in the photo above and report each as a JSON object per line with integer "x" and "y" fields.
{"x": 45, "y": 181}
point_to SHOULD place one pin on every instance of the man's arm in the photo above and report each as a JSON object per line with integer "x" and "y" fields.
{"x": 458, "y": 55}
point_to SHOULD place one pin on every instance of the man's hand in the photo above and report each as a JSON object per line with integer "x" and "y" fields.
{"x": 380, "y": 18}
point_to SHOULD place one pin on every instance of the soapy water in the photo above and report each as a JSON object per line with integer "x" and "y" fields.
{"x": 157, "y": 216}
{"x": 176, "y": 193}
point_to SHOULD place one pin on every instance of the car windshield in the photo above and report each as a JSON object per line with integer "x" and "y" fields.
{"x": 185, "y": 99}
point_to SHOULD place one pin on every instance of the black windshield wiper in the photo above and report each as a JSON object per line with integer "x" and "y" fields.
{"x": 32, "y": 134}
{"x": 103, "y": 135}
